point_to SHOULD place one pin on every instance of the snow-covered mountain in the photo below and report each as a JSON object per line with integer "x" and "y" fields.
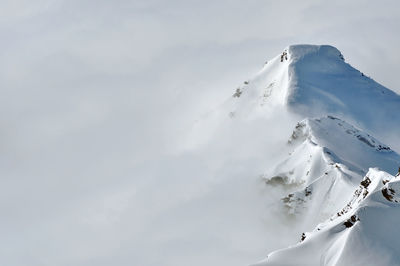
{"x": 330, "y": 157}
{"x": 331, "y": 189}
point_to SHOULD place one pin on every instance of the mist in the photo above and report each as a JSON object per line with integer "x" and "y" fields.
{"x": 109, "y": 152}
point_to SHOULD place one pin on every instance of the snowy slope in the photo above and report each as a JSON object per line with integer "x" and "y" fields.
{"x": 362, "y": 233}
{"x": 325, "y": 166}
{"x": 311, "y": 80}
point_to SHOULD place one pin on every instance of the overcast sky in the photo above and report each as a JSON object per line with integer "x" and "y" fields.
{"x": 93, "y": 93}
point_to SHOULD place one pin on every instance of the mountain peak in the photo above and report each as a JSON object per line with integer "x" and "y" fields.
{"x": 314, "y": 80}
{"x": 297, "y": 51}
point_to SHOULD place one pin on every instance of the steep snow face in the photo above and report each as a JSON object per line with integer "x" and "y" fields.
{"x": 321, "y": 80}
{"x": 311, "y": 80}
{"x": 362, "y": 233}
{"x": 328, "y": 160}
